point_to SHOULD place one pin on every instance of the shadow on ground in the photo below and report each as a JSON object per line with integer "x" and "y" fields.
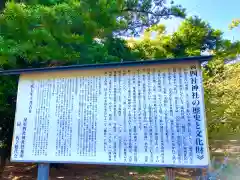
{"x": 17, "y": 171}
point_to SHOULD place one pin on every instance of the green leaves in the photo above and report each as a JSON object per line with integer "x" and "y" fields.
{"x": 222, "y": 96}
{"x": 193, "y": 37}
{"x": 235, "y": 23}
{"x": 39, "y": 33}
{"x": 221, "y": 81}
{"x": 141, "y": 14}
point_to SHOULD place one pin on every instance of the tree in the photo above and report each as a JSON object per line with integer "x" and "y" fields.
{"x": 148, "y": 47}
{"x": 40, "y": 33}
{"x": 235, "y": 23}
{"x": 222, "y": 103}
{"x": 193, "y": 37}
{"x": 140, "y": 14}
{"x": 51, "y": 33}
{"x": 132, "y": 15}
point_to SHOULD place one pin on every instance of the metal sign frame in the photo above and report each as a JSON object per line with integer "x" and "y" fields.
{"x": 199, "y": 59}
{"x": 44, "y": 168}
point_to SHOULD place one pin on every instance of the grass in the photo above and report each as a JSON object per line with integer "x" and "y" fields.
{"x": 144, "y": 170}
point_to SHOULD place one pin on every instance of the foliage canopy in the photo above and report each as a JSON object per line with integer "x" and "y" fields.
{"x": 40, "y": 33}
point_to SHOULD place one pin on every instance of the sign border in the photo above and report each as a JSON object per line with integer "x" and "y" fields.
{"x": 114, "y": 164}
{"x": 198, "y": 59}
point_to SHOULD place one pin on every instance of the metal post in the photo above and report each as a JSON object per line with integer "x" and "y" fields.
{"x": 43, "y": 172}
{"x": 170, "y": 174}
{"x": 201, "y": 174}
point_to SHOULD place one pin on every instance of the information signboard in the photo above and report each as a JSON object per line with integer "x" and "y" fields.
{"x": 150, "y": 115}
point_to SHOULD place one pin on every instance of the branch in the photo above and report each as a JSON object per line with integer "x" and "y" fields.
{"x": 147, "y": 12}
{"x": 134, "y": 27}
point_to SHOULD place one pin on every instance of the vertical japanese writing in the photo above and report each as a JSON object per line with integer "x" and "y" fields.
{"x": 180, "y": 112}
{"x": 139, "y": 98}
{"x": 138, "y": 124}
{"x": 125, "y": 140}
{"x": 96, "y": 93}
{"x": 172, "y": 88}
{"x": 16, "y": 146}
{"x": 88, "y": 112}
{"x": 196, "y": 111}
{"x": 145, "y": 118}
{"x": 81, "y": 103}
{"x": 42, "y": 114}
{"x": 24, "y": 129}
{"x": 150, "y": 74}
{"x": 64, "y": 108}
{"x": 165, "y": 104}
{"x": 160, "y": 113}
{"x": 105, "y": 110}
{"x": 141, "y": 115}
{"x": 174, "y": 134}
{"x": 183, "y": 115}
{"x": 31, "y": 98}
{"x": 87, "y": 91}
{"x": 135, "y": 121}
{"x": 115, "y": 111}
{"x": 110, "y": 115}
{"x": 129, "y": 106}
{"x": 156, "y": 116}
{"x": 119, "y": 99}
{"x": 188, "y": 114}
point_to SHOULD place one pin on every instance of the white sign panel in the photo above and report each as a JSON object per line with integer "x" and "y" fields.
{"x": 145, "y": 115}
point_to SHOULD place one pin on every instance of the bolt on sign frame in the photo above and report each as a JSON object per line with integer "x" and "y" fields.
{"x": 143, "y": 113}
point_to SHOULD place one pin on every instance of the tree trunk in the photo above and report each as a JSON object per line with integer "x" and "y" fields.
{"x": 2, "y": 160}
{"x": 2, "y": 164}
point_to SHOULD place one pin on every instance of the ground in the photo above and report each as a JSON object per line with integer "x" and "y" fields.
{"x": 70, "y": 172}
{"x": 19, "y": 171}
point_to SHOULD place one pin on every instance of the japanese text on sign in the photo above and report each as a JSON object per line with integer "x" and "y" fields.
{"x": 141, "y": 115}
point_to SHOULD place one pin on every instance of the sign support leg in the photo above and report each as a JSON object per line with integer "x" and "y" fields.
{"x": 43, "y": 172}
{"x": 169, "y": 174}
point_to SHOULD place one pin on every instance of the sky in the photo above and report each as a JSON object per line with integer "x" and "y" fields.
{"x": 219, "y": 13}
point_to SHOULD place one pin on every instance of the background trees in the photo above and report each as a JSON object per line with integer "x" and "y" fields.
{"x": 40, "y": 33}
{"x": 221, "y": 81}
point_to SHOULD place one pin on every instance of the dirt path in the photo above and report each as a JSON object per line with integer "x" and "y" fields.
{"x": 20, "y": 171}
{"x": 70, "y": 172}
